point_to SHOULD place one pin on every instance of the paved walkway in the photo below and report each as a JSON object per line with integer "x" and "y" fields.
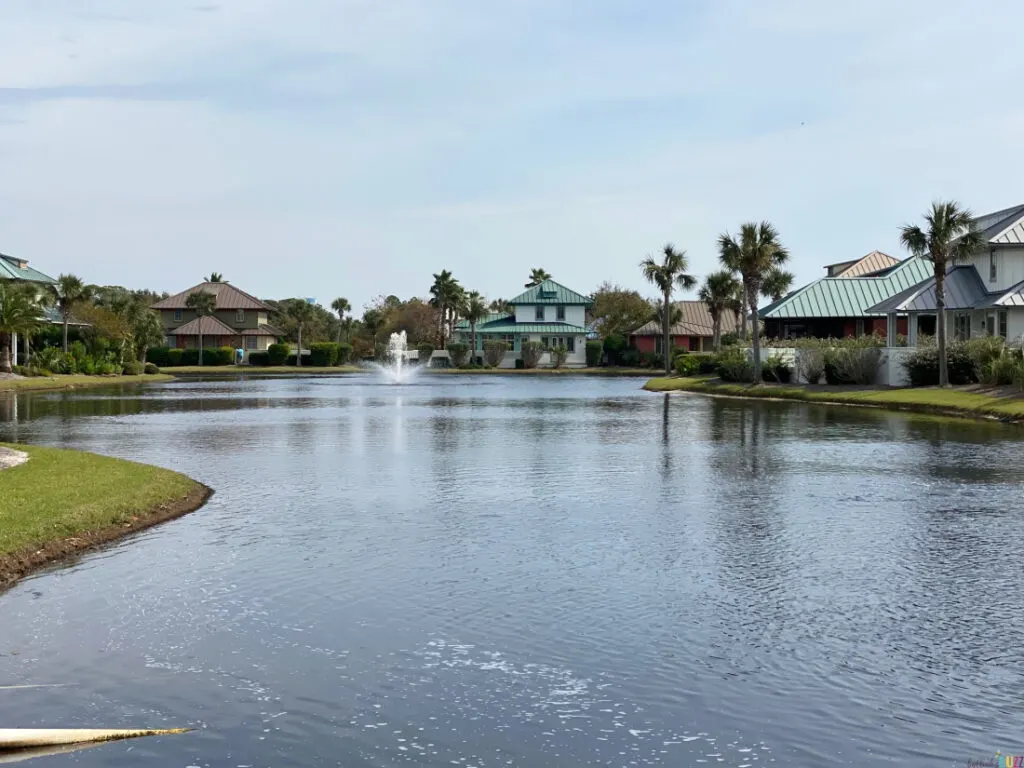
{"x": 11, "y": 458}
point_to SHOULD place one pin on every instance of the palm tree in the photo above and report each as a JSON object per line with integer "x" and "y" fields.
{"x": 950, "y": 238}
{"x": 777, "y": 284}
{"x": 302, "y": 313}
{"x": 341, "y": 306}
{"x": 474, "y": 310}
{"x": 719, "y": 294}
{"x": 537, "y": 276}
{"x": 215, "y": 277}
{"x": 69, "y": 291}
{"x": 668, "y": 275}
{"x": 19, "y": 313}
{"x": 202, "y": 303}
{"x": 756, "y": 254}
{"x": 445, "y": 295}
{"x": 500, "y": 306}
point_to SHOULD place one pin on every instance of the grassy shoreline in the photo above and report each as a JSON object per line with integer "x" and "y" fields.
{"x": 62, "y": 502}
{"x": 963, "y": 402}
{"x": 76, "y": 381}
{"x": 277, "y": 370}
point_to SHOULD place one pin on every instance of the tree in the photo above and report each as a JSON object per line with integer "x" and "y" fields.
{"x": 777, "y": 284}
{"x": 215, "y": 277}
{"x": 203, "y": 303}
{"x": 718, "y": 293}
{"x": 302, "y": 313}
{"x": 446, "y": 295}
{"x": 617, "y": 310}
{"x": 500, "y": 307}
{"x": 69, "y": 291}
{"x": 739, "y": 300}
{"x": 537, "y": 276}
{"x": 474, "y": 310}
{"x": 949, "y": 238}
{"x": 755, "y": 254}
{"x": 373, "y": 321}
{"x": 341, "y": 306}
{"x": 19, "y": 313}
{"x": 667, "y": 275}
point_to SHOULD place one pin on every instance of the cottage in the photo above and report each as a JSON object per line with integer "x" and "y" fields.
{"x": 548, "y": 313}
{"x": 694, "y": 330}
{"x": 240, "y": 320}
{"x": 17, "y": 270}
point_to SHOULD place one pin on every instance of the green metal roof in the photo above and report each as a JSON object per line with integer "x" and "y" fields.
{"x": 507, "y": 324}
{"x": 849, "y": 296}
{"x": 463, "y": 325}
{"x": 550, "y": 292}
{"x": 10, "y": 269}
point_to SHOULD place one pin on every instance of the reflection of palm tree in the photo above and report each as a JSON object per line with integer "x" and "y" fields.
{"x": 669, "y": 274}
{"x": 202, "y": 303}
{"x": 19, "y": 313}
{"x": 718, "y": 294}
{"x": 537, "y": 276}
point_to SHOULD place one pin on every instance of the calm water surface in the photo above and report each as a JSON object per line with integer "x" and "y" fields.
{"x": 511, "y": 571}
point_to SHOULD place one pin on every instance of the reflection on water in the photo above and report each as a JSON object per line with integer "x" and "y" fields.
{"x": 531, "y": 571}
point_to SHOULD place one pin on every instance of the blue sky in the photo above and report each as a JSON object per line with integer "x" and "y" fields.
{"x": 353, "y": 147}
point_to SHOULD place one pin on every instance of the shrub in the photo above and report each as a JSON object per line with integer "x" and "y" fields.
{"x": 852, "y": 363}
{"x": 652, "y": 360}
{"x": 629, "y": 357}
{"x": 189, "y": 356}
{"x": 520, "y": 364}
{"x": 810, "y": 362}
{"x": 307, "y": 359}
{"x": 151, "y": 369}
{"x": 531, "y": 352}
{"x": 323, "y": 353}
{"x": 458, "y": 353}
{"x": 776, "y": 369}
{"x": 595, "y": 350}
{"x": 730, "y": 339}
{"x": 559, "y": 353}
{"x": 922, "y": 366}
{"x": 426, "y": 350}
{"x": 50, "y": 358}
{"x": 174, "y": 357}
{"x": 616, "y": 347}
{"x": 494, "y": 352}
{"x": 133, "y": 368}
{"x": 734, "y": 365}
{"x": 158, "y": 356}
{"x": 277, "y": 354}
{"x": 218, "y": 355}
{"x": 707, "y": 362}
{"x": 984, "y": 350}
{"x": 688, "y": 365}
{"x": 259, "y": 358}
{"x": 344, "y": 353}
{"x": 1001, "y": 371}
{"x": 105, "y": 368}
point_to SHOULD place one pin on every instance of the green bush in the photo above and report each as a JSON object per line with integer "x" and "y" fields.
{"x": 189, "y": 357}
{"x": 707, "y": 362}
{"x": 922, "y": 366}
{"x": 852, "y": 363}
{"x": 520, "y": 364}
{"x": 616, "y": 347}
{"x": 687, "y": 365}
{"x": 277, "y": 354}
{"x": 307, "y": 359}
{"x": 531, "y": 352}
{"x": 344, "y": 353}
{"x": 323, "y": 353}
{"x": 259, "y": 359}
{"x": 151, "y": 369}
{"x": 158, "y": 356}
{"x": 1001, "y": 371}
{"x": 494, "y": 352}
{"x": 214, "y": 356}
{"x": 729, "y": 339}
{"x": 734, "y": 365}
{"x": 458, "y": 353}
{"x": 651, "y": 360}
{"x": 984, "y": 350}
{"x": 595, "y": 350}
{"x": 426, "y": 350}
{"x": 174, "y": 357}
{"x": 629, "y": 358}
{"x": 133, "y": 368}
{"x": 776, "y": 369}
{"x": 559, "y": 353}
{"x": 106, "y": 368}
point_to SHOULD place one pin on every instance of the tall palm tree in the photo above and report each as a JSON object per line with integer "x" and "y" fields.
{"x": 341, "y": 306}
{"x": 719, "y": 294}
{"x": 302, "y": 313}
{"x": 755, "y": 254}
{"x": 19, "y": 313}
{"x": 446, "y": 294}
{"x": 500, "y": 306}
{"x": 777, "y": 284}
{"x": 950, "y": 238}
{"x": 215, "y": 277}
{"x": 474, "y": 310}
{"x": 537, "y": 276}
{"x": 203, "y": 303}
{"x": 69, "y": 291}
{"x": 668, "y": 275}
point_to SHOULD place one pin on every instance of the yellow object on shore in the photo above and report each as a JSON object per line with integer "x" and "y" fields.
{"x": 25, "y": 738}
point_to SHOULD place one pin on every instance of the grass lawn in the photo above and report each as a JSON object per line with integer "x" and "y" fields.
{"x": 291, "y": 370}
{"x": 74, "y": 382}
{"x": 61, "y": 501}
{"x": 970, "y": 401}
{"x": 610, "y": 371}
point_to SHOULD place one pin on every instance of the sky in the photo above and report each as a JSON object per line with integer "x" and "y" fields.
{"x": 325, "y": 148}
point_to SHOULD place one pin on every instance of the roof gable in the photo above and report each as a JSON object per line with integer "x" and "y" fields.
{"x": 964, "y": 290}
{"x": 208, "y": 325}
{"x": 695, "y": 320}
{"x": 227, "y": 296}
{"x": 550, "y": 292}
{"x": 876, "y": 261}
{"x": 13, "y": 268}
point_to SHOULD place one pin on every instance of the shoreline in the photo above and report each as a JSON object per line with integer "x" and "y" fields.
{"x": 77, "y": 381}
{"x": 266, "y": 370}
{"x": 963, "y": 403}
{"x": 608, "y": 371}
{"x": 81, "y": 524}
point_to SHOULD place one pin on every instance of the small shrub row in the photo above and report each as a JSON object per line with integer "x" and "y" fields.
{"x": 277, "y": 354}
{"x": 328, "y": 353}
{"x": 260, "y": 359}
{"x": 985, "y": 360}
{"x": 307, "y": 359}
{"x": 77, "y": 360}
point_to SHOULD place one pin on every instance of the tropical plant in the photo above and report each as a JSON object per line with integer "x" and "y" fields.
{"x": 537, "y": 276}
{"x": 734, "y": 364}
{"x": 494, "y": 352}
{"x": 949, "y": 237}
{"x": 777, "y": 284}
{"x": 530, "y": 352}
{"x": 595, "y": 349}
{"x": 458, "y": 353}
{"x": 559, "y": 354}
{"x": 668, "y": 275}
{"x": 69, "y": 291}
{"x": 202, "y": 303}
{"x": 500, "y": 307}
{"x": 755, "y": 254}
{"x": 719, "y": 295}
{"x": 302, "y": 313}
{"x": 19, "y": 313}
{"x": 474, "y": 310}
{"x": 215, "y": 277}
{"x": 446, "y": 296}
{"x": 341, "y": 306}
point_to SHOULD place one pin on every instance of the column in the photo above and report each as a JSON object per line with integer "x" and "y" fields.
{"x": 14, "y": 349}
{"x": 891, "y": 330}
{"x": 912, "y": 329}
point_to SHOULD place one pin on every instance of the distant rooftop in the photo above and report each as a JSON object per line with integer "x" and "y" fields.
{"x": 14, "y": 268}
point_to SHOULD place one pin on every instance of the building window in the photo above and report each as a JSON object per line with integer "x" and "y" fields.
{"x": 177, "y": 315}
{"x": 860, "y": 326}
{"x": 523, "y": 340}
{"x": 570, "y": 343}
{"x": 544, "y": 341}
{"x": 963, "y": 327}
{"x": 560, "y": 312}
{"x": 250, "y": 342}
{"x": 239, "y": 315}
{"x": 1002, "y": 323}
{"x": 992, "y": 270}
{"x": 538, "y": 313}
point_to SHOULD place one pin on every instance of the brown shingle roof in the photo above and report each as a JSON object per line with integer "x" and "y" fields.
{"x": 210, "y": 325}
{"x": 227, "y": 295}
{"x": 875, "y": 261}
{"x": 695, "y": 321}
{"x": 263, "y": 330}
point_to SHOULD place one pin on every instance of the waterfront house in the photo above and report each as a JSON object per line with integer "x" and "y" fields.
{"x": 17, "y": 270}
{"x": 694, "y": 330}
{"x": 548, "y": 313}
{"x": 240, "y": 320}
{"x": 841, "y": 304}
{"x": 984, "y": 296}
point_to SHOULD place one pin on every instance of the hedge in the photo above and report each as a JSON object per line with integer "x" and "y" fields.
{"x": 159, "y": 356}
{"x": 278, "y": 353}
{"x": 344, "y": 353}
{"x": 323, "y": 353}
{"x": 595, "y": 349}
{"x": 174, "y": 356}
{"x": 189, "y": 357}
{"x": 459, "y": 354}
{"x": 306, "y": 360}
{"x": 259, "y": 359}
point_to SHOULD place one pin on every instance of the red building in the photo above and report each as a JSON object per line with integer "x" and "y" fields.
{"x": 693, "y": 331}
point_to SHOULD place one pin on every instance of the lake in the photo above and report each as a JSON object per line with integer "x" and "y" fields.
{"x": 531, "y": 571}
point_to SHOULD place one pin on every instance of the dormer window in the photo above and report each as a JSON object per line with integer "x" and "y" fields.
{"x": 560, "y": 313}
{"x": 239, "y": 315}
{"x": 992, "y": 269}
{"x": 538, "y": 313}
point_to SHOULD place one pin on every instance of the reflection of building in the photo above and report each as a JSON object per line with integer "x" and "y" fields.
{"x": 693, "y": 331}
{"x": 548, "y": 313}
{"x": 240, "y": 320}
{"x": 17, "y": 270}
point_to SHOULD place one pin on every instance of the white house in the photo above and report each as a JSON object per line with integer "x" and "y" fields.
{"x": 548, "y": 313}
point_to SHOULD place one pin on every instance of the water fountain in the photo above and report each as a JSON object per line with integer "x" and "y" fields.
{"x": 396, "y": 367}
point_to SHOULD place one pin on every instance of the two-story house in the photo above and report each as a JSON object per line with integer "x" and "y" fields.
{"x": 240, "y": 320}
{"x": 548, "y": 313}
{"x": 984, "y": 296}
